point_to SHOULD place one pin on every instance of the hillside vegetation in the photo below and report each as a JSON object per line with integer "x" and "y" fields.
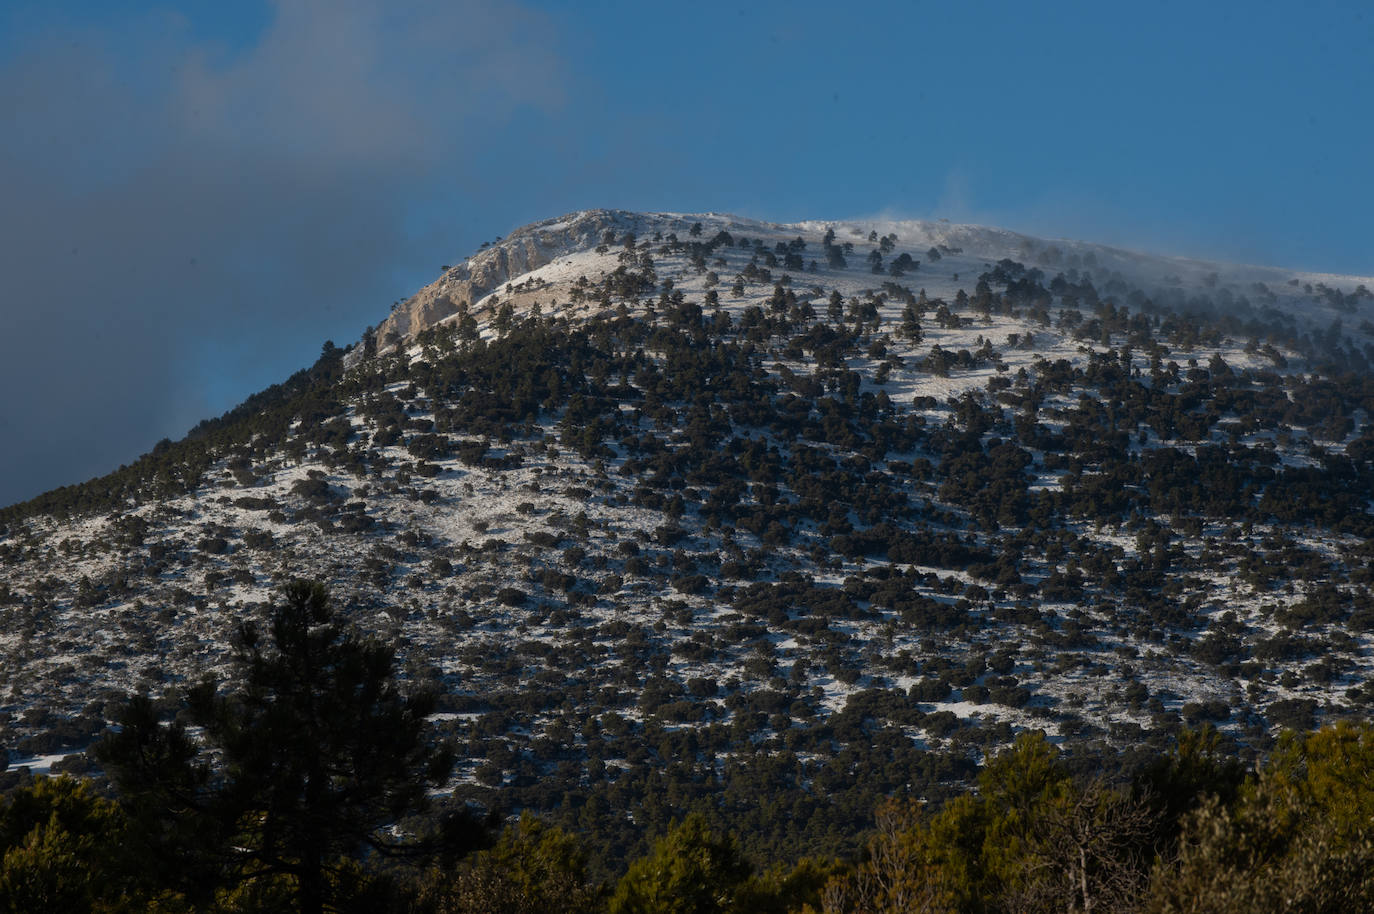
{"x": 768, "y": 523}
{"x": 307, "y": 789}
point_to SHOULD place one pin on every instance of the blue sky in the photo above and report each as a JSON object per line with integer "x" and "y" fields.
{"x": 197, "y": 195}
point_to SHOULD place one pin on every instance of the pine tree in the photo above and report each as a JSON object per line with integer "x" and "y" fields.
{"x": 315, "y": 757}
{"x": 911, "y": 324}
{"x": 690, "y": 871}
{"x": 62, "y": 848}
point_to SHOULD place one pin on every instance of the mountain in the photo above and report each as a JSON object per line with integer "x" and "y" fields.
{"x": 693, "y": 508}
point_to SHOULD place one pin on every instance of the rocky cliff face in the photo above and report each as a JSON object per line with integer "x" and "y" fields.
{"x": 527, "y": 249}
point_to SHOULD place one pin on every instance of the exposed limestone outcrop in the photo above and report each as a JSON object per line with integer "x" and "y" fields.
{"x": 528, "y": 248}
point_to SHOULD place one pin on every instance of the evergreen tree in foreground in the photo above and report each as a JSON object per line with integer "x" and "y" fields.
{"x": 312, "y": 761}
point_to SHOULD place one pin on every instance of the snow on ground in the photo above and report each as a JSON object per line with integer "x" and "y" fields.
{"x": 39, "y": 764}
{"x": 474, "y": 505}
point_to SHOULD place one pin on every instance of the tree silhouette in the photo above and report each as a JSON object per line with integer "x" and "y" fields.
{"x": 315, "y": 757}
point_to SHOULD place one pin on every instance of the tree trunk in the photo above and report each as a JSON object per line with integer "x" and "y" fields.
{"x": 1083, "y": 879}
{"x": 310, "y": 884}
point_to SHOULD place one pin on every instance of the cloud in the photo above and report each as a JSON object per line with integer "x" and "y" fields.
{"x": 181, "y": 220}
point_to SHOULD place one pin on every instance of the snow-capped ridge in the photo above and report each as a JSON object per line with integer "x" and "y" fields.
{"x": 574, "y": 236}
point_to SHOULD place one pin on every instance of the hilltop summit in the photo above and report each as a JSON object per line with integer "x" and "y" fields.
{"x": 541, "y": 259}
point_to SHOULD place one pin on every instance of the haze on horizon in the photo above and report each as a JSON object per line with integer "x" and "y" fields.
{"x": 196, "y": 198}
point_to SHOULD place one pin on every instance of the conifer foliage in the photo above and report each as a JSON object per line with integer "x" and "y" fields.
{"x": 317, "y": 754}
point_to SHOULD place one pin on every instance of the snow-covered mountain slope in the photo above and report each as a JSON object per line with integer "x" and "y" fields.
{"x": 867, "y": 498}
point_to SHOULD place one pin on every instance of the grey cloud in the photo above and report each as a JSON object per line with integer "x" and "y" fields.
{"x": 192, "y": 222}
